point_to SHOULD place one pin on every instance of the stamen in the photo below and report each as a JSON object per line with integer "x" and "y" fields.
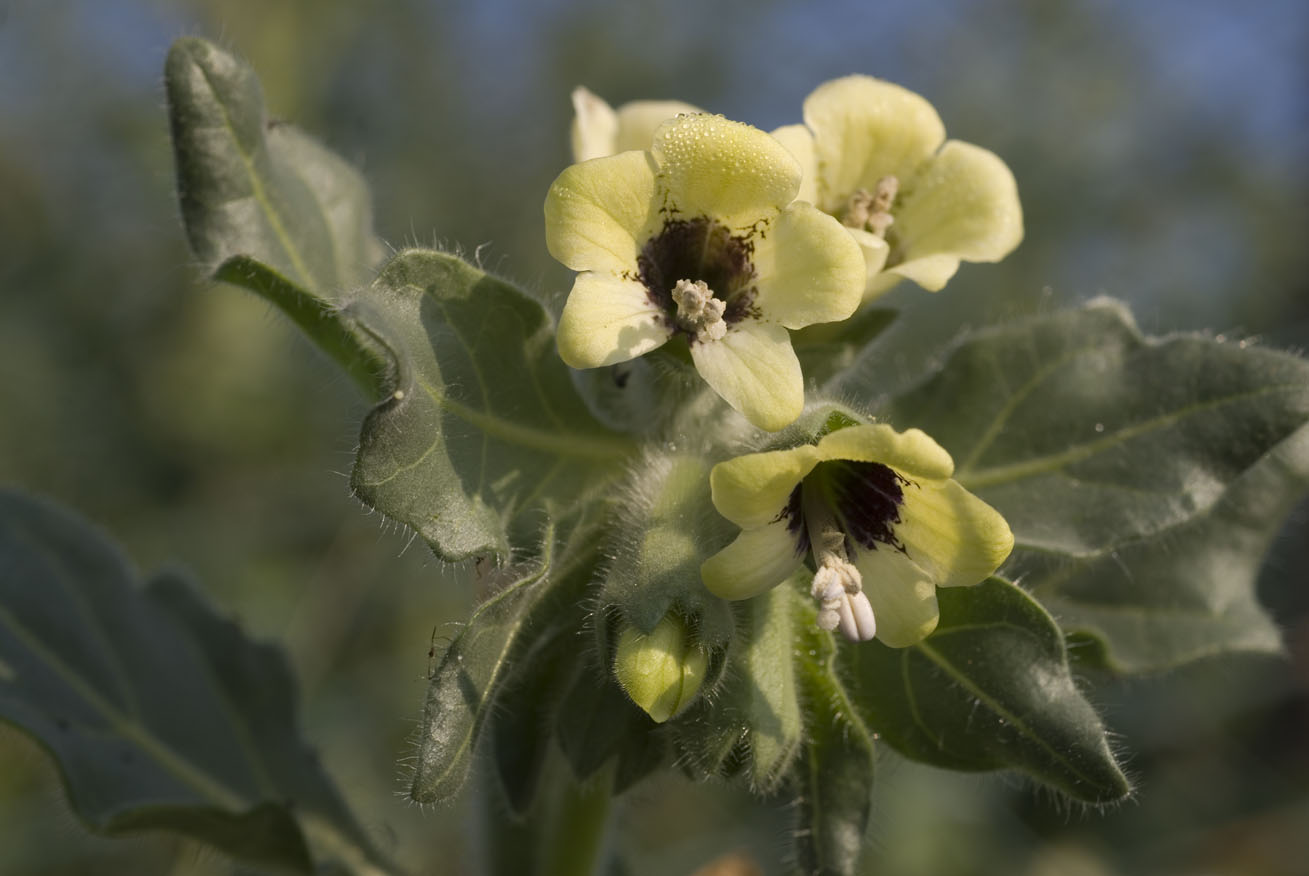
{"x": 858, "y": 209}
{"x": 872, "y": 210}
{"x": 837, "y": 584}
{"x": 836, "y": 581}
{"x": 855, "y": 618}
{"x": 699, "y": 311}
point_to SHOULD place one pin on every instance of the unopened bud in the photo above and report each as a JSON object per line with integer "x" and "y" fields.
{"x": 661, "y": 672}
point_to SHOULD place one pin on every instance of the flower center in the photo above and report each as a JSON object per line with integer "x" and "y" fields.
{"x": 866, "y": 497}
{"x": 871, "y": 211}
{"x": 698, "y": 311}
{"x": 700, "y": 275}
{"x": 836, "y": 578}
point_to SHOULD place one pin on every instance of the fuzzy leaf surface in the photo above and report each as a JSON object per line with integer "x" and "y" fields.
{"x": 1199, "y": 577}
{"x": 989, "y": 689}
{"x": 267, "y": 207}
{"x": 526, "y": 608}
{"x": 482, "y": 434}
{"x": 1104, "y": 449}
{"x": 158, "y": 713}
{"x": 754, "y": 719}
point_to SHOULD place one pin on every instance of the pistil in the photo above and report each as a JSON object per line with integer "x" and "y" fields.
{"x": 836, "y": 580}
{"x": 699, "y": 311}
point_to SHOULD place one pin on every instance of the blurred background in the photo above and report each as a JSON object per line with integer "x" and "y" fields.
{"x": 1160, "y": 150}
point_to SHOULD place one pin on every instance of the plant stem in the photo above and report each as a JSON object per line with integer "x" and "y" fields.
{"x": 563, "y": 835}
{"x": 572, "y": 844}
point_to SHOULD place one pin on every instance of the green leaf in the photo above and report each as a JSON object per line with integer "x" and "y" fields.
{"x": 1201, "y": 575}
{"x": 159, "y": 714}
{"x": 520, "y": 728}
{"x": 527, "y": 605}
{"x": 267, "y": 207}
{"x": 363, "y": 358}
{"x": 835, "y": 774}
{"x": 766, "y": 695}
{"x": 482, "y": 430}
{"x": 1104, "y": 450}
{"x": 990, "y": 689}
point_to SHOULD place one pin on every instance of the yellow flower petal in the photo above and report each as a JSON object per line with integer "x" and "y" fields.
{"x": 875, "y": 251}
{"x": 799, "y": 141}
{"x": 595, "y": 126}
{"x": 912, "y": 452}
{"x": 757, "y": 561}
{"x": 599, "y": 213}
{"x": 755, "y": 370}
{"x": 638, "y": 121}
{"x": 963, "y": 205}
{"x": 808, "y": 269}
{"x": 752, "y": 490}
{"x": 951, "y": 534}
{"x": 608, "y": 319}
{"x": 929, "y": 272}
{"x": 903, "y": 596}
{"x": 725, "y": 170}
{"x": 865, "y": 129}
{"x": 598, "y": 130}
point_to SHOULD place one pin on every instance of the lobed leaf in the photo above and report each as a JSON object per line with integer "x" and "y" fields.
{"x": 482, "y": 435}
{"x": 1187, "y": 593}
{"x": 159, "y": 714}
{"x": 1105, "y": 450}
{"x": 990, "y": 689}
{"x": 267, "y": 207}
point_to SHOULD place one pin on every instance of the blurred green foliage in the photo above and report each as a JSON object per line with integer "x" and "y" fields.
{"x": 1159, "y": 150}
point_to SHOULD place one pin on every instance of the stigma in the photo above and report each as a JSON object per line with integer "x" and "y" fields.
{"x": 699, "y": 311}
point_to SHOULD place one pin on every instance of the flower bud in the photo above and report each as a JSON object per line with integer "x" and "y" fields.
{"x": 661, "y": 672}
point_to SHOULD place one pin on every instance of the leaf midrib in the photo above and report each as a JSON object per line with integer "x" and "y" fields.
{"x": 257, "y": 186}
{"x": 964, "y": 681}
{"x": 988, "y": 477}
{"x": 161, "y": 752}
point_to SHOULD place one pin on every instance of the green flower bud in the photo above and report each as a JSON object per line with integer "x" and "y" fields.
{"x": 661, "y": 672}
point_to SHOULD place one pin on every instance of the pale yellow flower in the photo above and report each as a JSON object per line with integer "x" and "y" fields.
{"x": 599, "y": 130}
{"x": 700, "y": 239}
{"x": 875, "y": 156}
{"x": 881, "y": 517}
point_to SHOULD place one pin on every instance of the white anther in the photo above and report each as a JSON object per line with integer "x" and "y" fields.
{"x": 833, "y": 565}
{"x": 838, "y": 588}
{"x": 871, "y": 211}
{"x": 854, "y": 617}
{"x": 699, "y": 311}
